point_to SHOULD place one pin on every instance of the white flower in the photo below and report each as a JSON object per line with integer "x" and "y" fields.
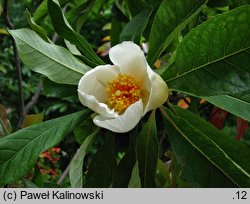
{"x": 124, "y": 92}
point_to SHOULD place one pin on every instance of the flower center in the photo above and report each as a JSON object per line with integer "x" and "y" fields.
{"x": 122, "y": 92}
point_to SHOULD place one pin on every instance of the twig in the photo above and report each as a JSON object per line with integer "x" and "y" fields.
{"x": 32, "y": 102}
{"x": 64, "y": 175}
{"x": 17, "y": 60}
{"x": 34, "y": 98}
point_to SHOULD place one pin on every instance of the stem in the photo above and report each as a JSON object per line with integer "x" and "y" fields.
{"x": 17, "y": 60}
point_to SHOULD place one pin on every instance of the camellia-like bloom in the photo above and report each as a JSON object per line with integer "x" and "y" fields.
{"x": 122, "y": 93}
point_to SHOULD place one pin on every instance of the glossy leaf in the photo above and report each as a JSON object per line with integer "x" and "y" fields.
{"x": 53, "y": 61}
{"x": 239, "y": 105}
{"x": 208, "y": 157}
{"x": 24, "y": 146}
{"x": 170, "y": 19}
{"x": 147, "y": 152}
{"x": 213, "y": 58}
{"x": 63, "y": 28}
{"x": 76, "y": 165}
{"x": 134, "y": 29}
{"x": 101, "y": 170}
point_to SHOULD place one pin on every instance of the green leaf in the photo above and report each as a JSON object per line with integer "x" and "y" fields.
{"x": 238, "y": 105}
{"x": 135, "y": 181}
{"x": 221, "y": 3}
{"x": 84, "y": 129}
{"x": 41, "y": 11}
{"x": 213, "y": 59}
{"x": 63, "y": 28}
{"x": 79, "y": 14}
{"x": 170, "y": 19}
{"x": 20, "y": 150}
{"x": 136, "y": 7}
{"x": 208, "y": 157}
{"x": 241, "y": 2}
{"x": 52, "y": 89}
{"x": 163, "y": 179}
{"x": 38, "y": 29}
{"x": 116, "y": 29}
{"x": 53, "y": 61}
{"x": 102, "y": 166}
{"x": 29, "y": 184}
{"x": 134, "y": 29}
{"x": 76, "y": 165}
{"x": 147, "y": 152}
{"x": 32, "y": 119}
{"x": 125, "y": 167}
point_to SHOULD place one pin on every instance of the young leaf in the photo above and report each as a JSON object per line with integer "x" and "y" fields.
{"x": 75, "y": 171}
{"x": 53, "y": 61}
{"x": 170, "y": 19}
{"x": 134, "y": 29}
{"x": 207, "y": 156}
{"x": 101, "y": 170}
{"x": 63, "y": 28}
{"x": 213, "y": 59}
{"x": 239, "y": 105}
{"x": 20, "y": 150}
{"x": 147, "y": 152}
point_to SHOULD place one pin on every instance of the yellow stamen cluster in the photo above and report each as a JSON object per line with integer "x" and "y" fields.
{"x": 122, "y": 92}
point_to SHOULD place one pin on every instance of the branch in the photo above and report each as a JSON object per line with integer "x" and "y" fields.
{"x": 17, "y": 60}
{"x": 30, "y": 105}
{"x": 34, "y": 98}
{"x": 64, "y": 175}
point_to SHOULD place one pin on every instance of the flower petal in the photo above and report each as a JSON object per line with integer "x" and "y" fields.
{"x": 130, "y": 59}
{"x": 123, "y": 123}
{"x": 158, "y": 93}
{"x": 92, "y": 89}
{"x": 92, "y": 103}
{"x": 94, "y": 82}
